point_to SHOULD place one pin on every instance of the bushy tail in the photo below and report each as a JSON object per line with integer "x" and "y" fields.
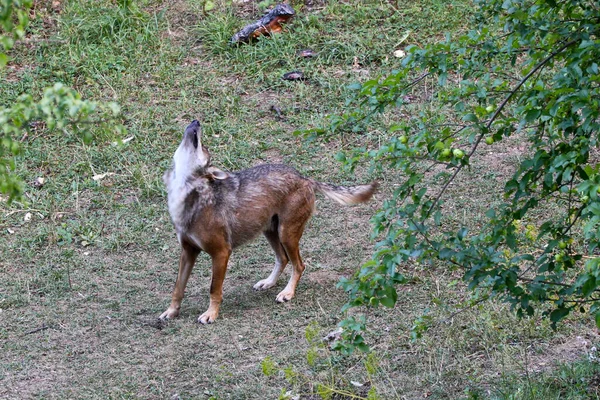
{"x": 347, "y": 195}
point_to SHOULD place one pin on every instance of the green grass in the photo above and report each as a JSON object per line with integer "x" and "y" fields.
{"x": 576, "y": 380}
{"x": 82, "y": 282}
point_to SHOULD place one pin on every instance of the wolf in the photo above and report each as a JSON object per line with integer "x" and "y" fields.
{"x": 216, "y": 211}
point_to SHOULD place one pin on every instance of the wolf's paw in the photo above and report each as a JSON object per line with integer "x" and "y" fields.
{"x": 171, "y": 313}
{"x": 285, "y": 295}
{"x": 208, "y": 317}
{"x": 264, "y": 284}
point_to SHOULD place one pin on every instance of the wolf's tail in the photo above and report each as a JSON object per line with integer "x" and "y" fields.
{"x": 346, "y": 195}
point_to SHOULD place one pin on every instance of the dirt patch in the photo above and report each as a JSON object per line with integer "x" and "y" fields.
{"x": 264, "y": 99}
{"x": 181, "y": 19}
{"x": 246, "y": 9}
{"x": 46, "y": 11}
{"x": 323, "y": 277}
{"x": 503, "y": 157}
{"x": 14, "y": 72}
{"x": 272, "y": 156}
{"x": 569, "y": 349}
{"x": 154, "y": 322}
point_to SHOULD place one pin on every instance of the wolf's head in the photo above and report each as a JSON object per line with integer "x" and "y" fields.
{"x": 191, "y": 159}
{"x": 190, "y": 154}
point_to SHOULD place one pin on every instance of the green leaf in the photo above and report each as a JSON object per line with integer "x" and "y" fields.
{"x": 470, "y": 118}
{"x": 389, "y": 301}
{"x": 340, "y": 156}
{"x": 589, "y": 286}
{"x": 558, "y": 314}
{"x": 532, "y": 115}
{"x": 209, "y": 5}
{"x": 363, "y": 347}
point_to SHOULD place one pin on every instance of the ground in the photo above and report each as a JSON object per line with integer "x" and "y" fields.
{"x": 87, "y": 265}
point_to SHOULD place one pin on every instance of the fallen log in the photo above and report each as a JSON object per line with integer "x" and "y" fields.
{"x": 268, "y": 24}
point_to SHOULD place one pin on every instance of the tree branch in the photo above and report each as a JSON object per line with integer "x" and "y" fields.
{"x": 516, "y": 89}
{"x": 496, "y": 114}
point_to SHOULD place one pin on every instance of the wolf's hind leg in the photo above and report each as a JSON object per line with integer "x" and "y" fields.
{"x": 292, "y": 220}
{"x": 281, "y": 258}
{"x": 290, "y": 239}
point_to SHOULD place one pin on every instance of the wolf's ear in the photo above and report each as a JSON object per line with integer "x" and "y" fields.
{"x": 216, "y": 173}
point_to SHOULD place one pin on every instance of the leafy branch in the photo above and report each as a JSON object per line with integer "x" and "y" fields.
{"x": 58, "y": 108}
{"x": 554, "y": 108}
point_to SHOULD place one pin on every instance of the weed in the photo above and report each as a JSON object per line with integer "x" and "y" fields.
{"x": 268, "y": 366}
{"x": 578, "y": 380}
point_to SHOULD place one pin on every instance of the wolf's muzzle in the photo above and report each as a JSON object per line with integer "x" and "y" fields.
{"x": 191, "y": 133}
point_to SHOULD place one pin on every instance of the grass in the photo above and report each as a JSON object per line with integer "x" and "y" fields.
{"x": 84, "y": 279}
{"x": 577, "y": 380}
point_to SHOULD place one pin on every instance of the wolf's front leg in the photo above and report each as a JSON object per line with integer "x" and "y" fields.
{"x": 220, "y": 258}
{"x": 189, "y": 253}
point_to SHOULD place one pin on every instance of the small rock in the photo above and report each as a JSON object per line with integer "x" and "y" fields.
{"x": 306, "y": 53}
{"x": 277, "y": 112}
{"x": 126, "y": 140}
{"x": 39, "y": 182}
{"x": 102, "y": 176}
{"x": 334, "y": 335}
{"x": 294, "y": 76}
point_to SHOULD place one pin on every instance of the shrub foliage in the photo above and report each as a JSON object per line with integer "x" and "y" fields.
{"x": 60, "y": 108}
{"x": 528, "y": 70}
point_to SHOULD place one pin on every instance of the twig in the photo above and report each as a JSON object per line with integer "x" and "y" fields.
{"x": 495, "y": 115}
{"x": 544, "y": 282}
{"x": 40, "y": 40}
{"x": 400, "y": 93}
{"x": 516, "y": 89}
{"x": 8, "y": 214}
{"x": 42, "y": 328}
{"x": 577, "y": 216}
{"x": 582, "y": 301}
{"x": 448, "y": 182}
{"x": 237, "y": 344}
{"x": 455, "y": 313}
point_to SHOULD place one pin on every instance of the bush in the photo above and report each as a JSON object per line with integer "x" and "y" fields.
{"x": 527, "y": 71}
